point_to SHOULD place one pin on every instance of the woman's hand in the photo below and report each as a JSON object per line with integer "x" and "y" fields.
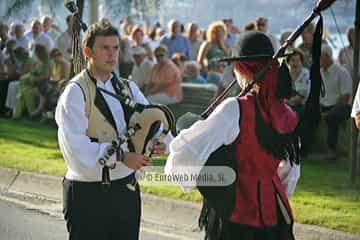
{"x": 357, "y": 120}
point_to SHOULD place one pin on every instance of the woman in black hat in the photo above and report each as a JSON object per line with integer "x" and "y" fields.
{"x": 261, "y": 209}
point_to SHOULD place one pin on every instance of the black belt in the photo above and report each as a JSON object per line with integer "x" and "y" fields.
{"x": 117, "y": 182}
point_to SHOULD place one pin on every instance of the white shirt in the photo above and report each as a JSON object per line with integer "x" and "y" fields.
{"x": 141, "y": 74}
{"x": 337, "y": 83}
{"x": 80, "y": 154}
{"x": 345, "y": 58}
{"x": 63, "y": 43}
{"x": 53, "y": 34}
{"x": 22, "y": 42}
{"x": 193, "y": 146}
{"x": 42, "y": 39}
{"x": 356, "y": 104}
{"x": 302, "y": 84}
{"x": 153, "y": 44}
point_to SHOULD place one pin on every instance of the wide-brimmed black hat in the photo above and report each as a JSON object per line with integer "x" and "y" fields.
{"x": 252, "y": 45}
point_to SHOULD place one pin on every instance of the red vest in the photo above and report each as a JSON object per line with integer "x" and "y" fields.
{"x": 257, "y": 182}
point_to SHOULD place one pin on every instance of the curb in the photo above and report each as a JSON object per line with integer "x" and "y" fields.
{"x": 170, "y": 212}
{"x": 7, "y": 178}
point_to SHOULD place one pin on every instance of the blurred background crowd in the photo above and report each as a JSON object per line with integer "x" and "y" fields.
{"x": 35, "y": 63}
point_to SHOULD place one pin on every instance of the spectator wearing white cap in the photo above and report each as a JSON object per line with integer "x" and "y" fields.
{"x": 141, "y": 71}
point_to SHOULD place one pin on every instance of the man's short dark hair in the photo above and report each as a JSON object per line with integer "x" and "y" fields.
{"x": 101, "y": 28}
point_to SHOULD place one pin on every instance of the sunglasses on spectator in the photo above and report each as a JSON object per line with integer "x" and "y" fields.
{"x": 159, "y": 55}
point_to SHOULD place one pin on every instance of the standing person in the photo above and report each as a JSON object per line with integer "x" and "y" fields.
{"x": 346, "y": 54}
{"x": 49, "y": 28}
{"x": 64, "y": 41}
{"x": 192, "y": 33}
{"x": 262, "y": 25}
{"x": 20, "y": 38}
{"x": 37, "y": 36}
{"x": 262, "y": 210}
{"x": 175, "y": 41}
{"x": 89, "y": 120}
{"x": 232, "y": 31}
{"x": 214, "y": 47}
{"x": 306, "y": 45}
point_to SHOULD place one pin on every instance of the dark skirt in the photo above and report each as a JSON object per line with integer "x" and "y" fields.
{"x": 281, "y": 231}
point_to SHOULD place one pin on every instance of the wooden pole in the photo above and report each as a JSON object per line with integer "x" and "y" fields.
{"x": 354, "y": 132}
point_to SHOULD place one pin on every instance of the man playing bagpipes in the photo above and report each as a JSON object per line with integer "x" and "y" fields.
{"x": 251, "y": 134}
{"x": 94, "y": 114}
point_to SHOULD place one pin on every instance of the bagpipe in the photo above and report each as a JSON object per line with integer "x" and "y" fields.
{"x": 145, "y": 122}
{"x": 219, "y": 201}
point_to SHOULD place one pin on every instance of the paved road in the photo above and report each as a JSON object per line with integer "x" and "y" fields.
{"x": 20, "y": 223}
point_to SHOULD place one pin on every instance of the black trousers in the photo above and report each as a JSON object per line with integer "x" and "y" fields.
{"x": 336, "y": 115}
{"x": 93, "y": 212}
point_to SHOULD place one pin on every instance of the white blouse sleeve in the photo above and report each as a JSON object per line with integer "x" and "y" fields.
{"x": 356, "y": 104}
{"x": 193, "y": 146}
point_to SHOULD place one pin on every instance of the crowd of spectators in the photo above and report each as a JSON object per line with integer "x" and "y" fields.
{"x": 35, "y": 64}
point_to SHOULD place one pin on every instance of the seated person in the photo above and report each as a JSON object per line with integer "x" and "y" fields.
{"x": 165, "y": 81}
{"x": 214, "y": 47}
{"x": 179, "y": 59}
{"x": 215, "y": 72}
{"x": 8, "y": 72}
{"x": 28, "y": 96}
{"x": 192, "y": 73}
{"x": 300, "y": 77}
{"x": 141, "y": 71}
{"x": 50, "y": 89}
{"x": 9, "y": 85}
{"x": 60, "y": 68}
